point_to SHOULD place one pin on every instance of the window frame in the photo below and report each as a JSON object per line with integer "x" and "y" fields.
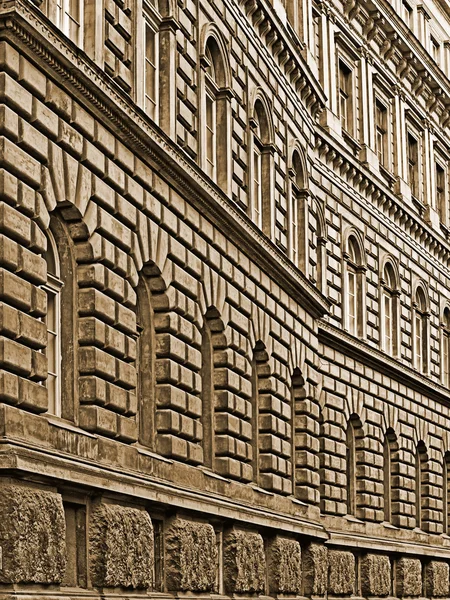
{"x": 420, "y": 332}
{"x": 346, "y": 95}
{"x": 150, "y": 21}
{"x": 63, "y": 18}
{"x": 413, "y": 161}
{"x": 353, "y": 271}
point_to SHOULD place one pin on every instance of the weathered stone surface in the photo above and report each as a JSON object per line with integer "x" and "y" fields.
{"x": 191, "y": 556}
{"x": 341, "y": 573}
{"x": 32, "y": 536}
{"x": 409, "y": 577}
{"x": 315, "y": 570}
{"x": 375, "y": 575}
{"x": 121, "y": 547}
{"x": 284, "y": 566}
{"x": 244, "y": 562}
{"x": 437, "y": 579}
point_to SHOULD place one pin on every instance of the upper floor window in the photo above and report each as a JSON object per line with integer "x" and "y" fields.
{"x": 435, "y": 49}
{"x": 413, "y": 164}
{"x": 420, "y": 326}
{"x": 441, "y": 200}
{"x": 215, "y": 102}
{"x": 53, "y": 321}
{"x": 296, "y": 236}
{"x": 69, "y": 18}
{"x": 151, "y": 60}
{"x": 354, "y": 283}
{"x": 445, "y": 352}
{"x": 389, "y": 310}
{"x": 381, "y": 132}
{"x": 407, "y": 13}
{"x": 345, "y": 96}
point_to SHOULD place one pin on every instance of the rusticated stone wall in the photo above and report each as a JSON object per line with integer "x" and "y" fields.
{"x": 315, "y": 570}
{"x": 244, "y": 562}
{"x": 341, "y": 573}
{"x": 121, "y": 547}
{"x": 376, "y": 575}
{"x": 409, "y": 577}
{"x": 191, "y": 554}
{"x": 284, "y": 566}
{"x": 437, "y": 579}
{"x": 32, "y": 537}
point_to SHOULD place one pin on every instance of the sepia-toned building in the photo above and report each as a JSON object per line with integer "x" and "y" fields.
{"x": 225, "y": 299}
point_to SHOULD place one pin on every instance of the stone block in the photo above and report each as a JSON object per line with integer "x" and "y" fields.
{"x": 315, "y": 570}
{"x": 437, "y": 579}
{"x": 121, "y": 547}
{"x": 341, "y": 573}
{"x": 32, "y": 536}
{"x": 375, "y": 575}
{"x": 408, "y": 577}
{"x": 244, "y": 562}
{"x": 191, "y": 556}
{"x": 284, "y": 566}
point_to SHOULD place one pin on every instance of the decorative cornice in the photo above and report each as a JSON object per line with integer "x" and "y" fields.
{"x": 334, "y": 337}
{"x": 26, "y": 27}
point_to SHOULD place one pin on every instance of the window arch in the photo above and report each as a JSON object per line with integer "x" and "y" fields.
{"x": 216, "y": 108}
{"x": 53, "y": 289}
{"x": 261, "y": 166}
{"x": 390, "y": 471}
{"x": 298, "y": 212}
{"x": 420, "y": 330}
{"x": 354, "y": 287}
{"x": 389, "y": 309}
{"x": 421, "y": 461}
{"x": 445, "y": 347}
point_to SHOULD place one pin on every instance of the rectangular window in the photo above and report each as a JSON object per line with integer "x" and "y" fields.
{"x": 388, "y": 323}
{"x": 413, "y": 164}
{"x": 151, "y": 72}
{"x": 257, "y": 190}
{"x": 345, "y": 96}
{"x": 407, "y": 14}
{"x": 440, "y": 193}
{"x": 446, "y": 358}
{"x": 294, "y": 228}
{"x": 211, "y": 118}
{"x": 316, "y": 36}
{"x": 419, "y": 342}
{"x": 351, "y": 301}
{"x": 76, "y": 567}
{"x": 69, "y": 16}
{"x": 435, "y": 49}
{"x": 381, "y": 132}
{"x": 52, "y": 352}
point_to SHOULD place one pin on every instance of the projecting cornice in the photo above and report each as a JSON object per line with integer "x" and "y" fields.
{"x": 35, "y": 36}
{"x": 286, "y": 53}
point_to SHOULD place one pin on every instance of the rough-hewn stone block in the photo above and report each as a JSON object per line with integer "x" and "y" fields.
{"x": 409, "y": 577}
{"x": 315, "y": 570}
{"x": 375, "y": 575}
{"x": 121, "y": 547}
{"x": 191, "y": 559}
{"x": 341, "y": 573}
{"x": 437, "y": 579}
{"x": 31, "y": 536}
{"x": 244, "y": 562}
{"x": 284, "y": 566}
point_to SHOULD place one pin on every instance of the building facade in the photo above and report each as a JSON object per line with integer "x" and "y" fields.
{"x": 224, "y": 285}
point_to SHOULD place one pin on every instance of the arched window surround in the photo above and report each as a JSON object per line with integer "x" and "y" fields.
{"x": 389, "y": 307}
{"x": 420, "y": 328}
{"x": 261, "y": 164}
{"x": 421, "y": 468}
{"x": 354, "y": 437}
{"x": 354, "y": 284}
{"x": 390, "y": 471}
{"x": 298, "y": 208}
{"x": 445, "y": 346}
{"x": 215, "y": 106}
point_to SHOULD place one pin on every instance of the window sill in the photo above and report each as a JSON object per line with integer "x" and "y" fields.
{"x": 351, "y": 141}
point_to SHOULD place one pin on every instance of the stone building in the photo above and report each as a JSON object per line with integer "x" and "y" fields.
{"x": 225, "y": 312}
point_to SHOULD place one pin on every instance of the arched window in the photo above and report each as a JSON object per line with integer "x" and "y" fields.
{"x": 216, "y": 109}
{"x": 445, "y": 345}
{"x": 420, "y": 488}
{"x": 53, "y": 322}
{"x": 420, "y": 331}
{"x": 446, "y": 493}
{"x": 351, "y": 467}
{"x": 261, "y": 168}
{"x": 390, "y": 470}
{"x": 389, "y": 310}
{"x": 354, "y": 288}
{"x": 298, "y": 213}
